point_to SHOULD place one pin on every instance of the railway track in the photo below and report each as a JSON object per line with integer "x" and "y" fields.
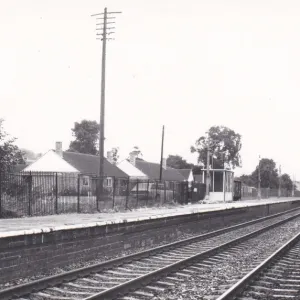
{"x": 115, "y": 278}
{"x": 212, "y": 276}
{"x": 277, "y": 277}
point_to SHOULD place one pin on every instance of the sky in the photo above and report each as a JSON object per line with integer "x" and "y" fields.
{"x": 187, "y": 65}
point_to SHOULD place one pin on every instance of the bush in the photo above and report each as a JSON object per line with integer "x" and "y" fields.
{"x": 6, "y": 214}
{"x": 15, "y": 186}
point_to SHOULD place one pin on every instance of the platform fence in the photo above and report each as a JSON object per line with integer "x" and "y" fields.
{"x": 249, "y": 193}
{"x": 36, "y": 194}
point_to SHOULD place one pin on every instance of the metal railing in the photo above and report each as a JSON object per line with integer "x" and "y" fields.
{"x": 35, "y": 194}
{"x": 252, "y": 193}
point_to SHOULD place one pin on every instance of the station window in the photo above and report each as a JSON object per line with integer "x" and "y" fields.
{"x": 109, "y": 182}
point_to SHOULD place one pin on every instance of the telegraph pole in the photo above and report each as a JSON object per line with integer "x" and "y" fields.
{"x": 279, "y": 187}
{"x": 293, "y": 187}
{"x": 259, "y": 189}
{"x": 162, "y": 152}
{"x": 105, "y": 31}
{"x": 224, "y": 177}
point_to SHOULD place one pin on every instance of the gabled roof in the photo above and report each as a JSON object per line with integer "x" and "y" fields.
{"x": 89, "y": 164}
{"x": 152, "y": 170}
{"x": 185, "y": 173}
{"x": 131, "y": 170}
{"x": 50, "y": 162}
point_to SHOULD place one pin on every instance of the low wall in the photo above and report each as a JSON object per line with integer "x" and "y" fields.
{"x": 25, "y": 255}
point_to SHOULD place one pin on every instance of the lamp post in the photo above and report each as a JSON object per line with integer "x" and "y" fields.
{"x": 259, "y": 190}
{"x": 269, "y": 181}
{"x": 162, "y": 153}
{"x": 224, "y": 177}
{"x": 207, "y": 174}
{"x": 279, "y": 185}
{"x": 210, "y": 147}
{"x": 294, "y": 185}
{"x": 292, "y": 191}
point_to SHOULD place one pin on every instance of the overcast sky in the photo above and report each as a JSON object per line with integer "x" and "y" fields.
{"x": 187, "y": 65}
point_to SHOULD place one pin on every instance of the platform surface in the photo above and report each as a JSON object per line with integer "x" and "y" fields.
{"x": 31, "y": 225}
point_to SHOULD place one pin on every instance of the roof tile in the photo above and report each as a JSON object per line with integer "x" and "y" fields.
{"x": 185, "y": 173}
{"x": 89, "y": 164}
{"x": 152, "y": 170}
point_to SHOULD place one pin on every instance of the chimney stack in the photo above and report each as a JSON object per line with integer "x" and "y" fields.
{"x": 164, "y": 163}
{"x": 110, "y": 157}
{"x": 58, "y": 149}
{"x": 132, "y": 158}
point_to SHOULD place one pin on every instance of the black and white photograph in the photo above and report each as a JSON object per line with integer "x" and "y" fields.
{"x": 149, "y": 150}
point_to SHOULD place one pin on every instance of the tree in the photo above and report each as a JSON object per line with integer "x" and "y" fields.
{"x": 115, "y": 155}
{"x": 177, "y": 162}
{"x": 268, "y": 174}
{"x": 29, "y": 154}
{"x": 247, "y": 180}
{"x": 136, "y": 151}
{"x": 86, "y": 137}
{"x": 224, "y": 144}
{"x": 197, "y": 170}
{"x": 286, "y": 182}
{"x": 10, "y": 154}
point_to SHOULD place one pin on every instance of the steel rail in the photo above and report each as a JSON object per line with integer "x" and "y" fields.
{"x": 240, "y": 286}
{"x": 131, "y": 285}
{"x": 41, "y": 284}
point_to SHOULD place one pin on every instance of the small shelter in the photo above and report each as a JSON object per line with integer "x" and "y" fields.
{"x": 221, "y": 184}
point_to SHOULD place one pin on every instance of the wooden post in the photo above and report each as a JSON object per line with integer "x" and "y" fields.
{"x": 259, "y": 189}
{"x": 99, "y": 182}
{"x": 78, "y": 193}
{"x": 102, "y": 108}
{"x": 155, "y": 190}
{"x": 114, "y": 189}
{"x": 213, "y": 181}
{"x": 162, "y": 153}
{"x": 279, "y": 187}
{"x": 56, "y": 193}
{"x": 30, "y": 195}
{"x": 127, "y": 194}
{"x": 147, "y": 193}
{"x": 165, "y": 192}
{"x": 173, "y": 183}
{"x": 207, "y": 174}
{"x": 224, "y": 185}
{"x": 0, "y": 193}
{"x": 137, "y": 193}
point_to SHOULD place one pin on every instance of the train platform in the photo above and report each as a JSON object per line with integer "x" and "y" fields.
{"x": 44, "y": 224}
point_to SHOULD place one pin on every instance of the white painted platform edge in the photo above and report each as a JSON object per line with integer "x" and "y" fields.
{"x": 137, "y": 219}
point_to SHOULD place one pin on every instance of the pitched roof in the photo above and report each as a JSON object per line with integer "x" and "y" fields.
{"x": 185, "y": 173}
{"x": 51, "y": 162}
{"x": 131, "y": 170}
{"x": 152, "y": 170}
{"x": 89, "y": 164}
